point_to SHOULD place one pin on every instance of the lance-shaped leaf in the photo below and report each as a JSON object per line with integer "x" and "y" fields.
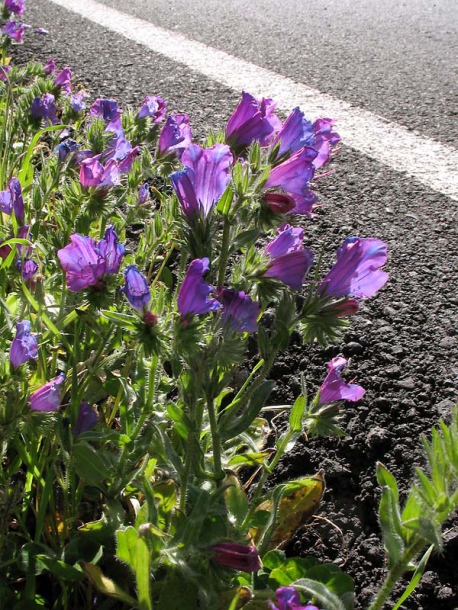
{"x": 390, "y": 516}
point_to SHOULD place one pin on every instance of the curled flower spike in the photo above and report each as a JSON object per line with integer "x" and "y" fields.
{"x": 357, "y": 271}
{"x": 193, "y": 297}
{"x": 334, "y": 388}
{"x": 24, "y": 346}
{"x": 47, "y": 398}
{"x": 236, "y": 556}
{"x": 252, "y": 121}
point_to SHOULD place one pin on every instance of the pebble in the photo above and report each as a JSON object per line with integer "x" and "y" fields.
{"x": 447, "y": 342}
{"x": 354, "y": 348}
{"x": 407, "y": 384}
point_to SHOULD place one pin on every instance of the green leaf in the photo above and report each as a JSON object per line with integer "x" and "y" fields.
{"x": 390, "y": 516}
{"x": 133, "y": 550}
{"x": 231, "y": 427}
{"x": 90, "y": 465}
{"x": 248, "y": 459}
{"x": 321, "y": 593}
{"x": 415, "y": 578}
{"x": 290, "y": 570}
{"x": 297, "y": 413}
{"x": 124, "y": 320}
{"x": 236, "y": 499}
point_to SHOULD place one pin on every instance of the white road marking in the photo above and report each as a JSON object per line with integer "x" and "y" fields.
{"x": 430, "y": 162}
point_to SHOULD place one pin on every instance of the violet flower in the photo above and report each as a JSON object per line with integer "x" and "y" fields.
{"x": 193, "y": 296}
{"x": 292, "y": 176}
{"x": 107, "y": 109}
{"x": 85, "y": 261}
{"x": 236, "y": 556}
{"x": 295, "y": 133}
{"x": 27, "y": 268}
{"x": 95, "y": 175}
{"x": 251, "y": 121}
{"x": 76, "y": 101}
{"x": 14, "y": 31}
{"x": 175, "y": 136}
{"x": 11, "y": 200}
{"x": 65, "y": 148}
{"x": 47, "y": 398}
{"x": 334, "y": 388}
{"x": 111, "y": 250}
{"x": 154, "y": 107}
{"x": 200, "y": 185}
{"x": 325, "y": 139}
{"x": 143, "y": 193}
{"x": 50, "y": 66}
{"x": 24, "y": 345}
{"x": 288, "y": 598}
{"x": 41, "y": 31}
{"x": 63, "y": 80}
{"x": 357, "y": 271}
{"x": 136, "y": 289}
{"x": 86, "y": 420}
{"x": 15, "y": 6}
{"x": 240, "y": 313}
{"x": 44, "y": 108}
{"x": 4, "y": 71}
{"x": 290, "y": 261}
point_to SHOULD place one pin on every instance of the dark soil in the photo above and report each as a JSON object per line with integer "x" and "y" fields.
{"x": 403, "y": 343}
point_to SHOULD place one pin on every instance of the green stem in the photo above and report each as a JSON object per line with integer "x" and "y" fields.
{"x": 395, "y": 574}
{"x": 224, "y": 253}
{"x": 216, "y": 439}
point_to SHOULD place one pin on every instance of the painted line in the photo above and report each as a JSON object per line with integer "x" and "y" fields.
{"x": 430, "y": 162}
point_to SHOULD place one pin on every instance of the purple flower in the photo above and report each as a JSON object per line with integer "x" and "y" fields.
{"x": 77, "y": 101}
{"x": 154, "y": 107}
{"x": 136, "y": 289}
{"x": 85, "y": 261}
{"x": 290, "y": 261}
{"x": 325, "y": 139}
{"x": 63, "y": 79}
{"x": 41, "y": 31}
{"x": 240, "y": 313}
{"x": 28, "y": 268}
{"x": 251, "y": 121}
{"x": 288, "y": 599}
{"x": 175, "y": 136}
{"x": 108, "y": 110}
{"x": 95, "y": 175}
{"x": 111, "y": 250}
{"x": 293, "y": 176}
{"x": 334, "y": 388}
{"x": 86, "y": 420}
{"x": 279, "y": 203}
{"x": 24, "y": 345}
{"x": 193, "y": 295}
{"x": 50, "y": 66}
{"x": 44, "y": 108}
{"x": 15, "y": 6}
{"x": 11, "y": 200}
{"x": 4, "y": 71}
{"x": 357, "y": 271}
{"x": 236, "y": 556}
{"x": 47, "y": 398}
{"x": 296, "y": 133}
{"x": 14, "y": 30}
{"x": 143, "y": 193}
{"x": 200, "y": 185}
{"x": 65, "y": 148}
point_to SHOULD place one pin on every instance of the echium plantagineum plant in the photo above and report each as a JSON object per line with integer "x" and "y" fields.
{"x": 140, "y": 272}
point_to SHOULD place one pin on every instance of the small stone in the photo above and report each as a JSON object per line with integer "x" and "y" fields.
{"x": 444, "y": 408}
{"x": 397, "y": 350}
{"x": 393, "y": 372}
{"x": 354, "y": 348}
{"x": 378, "y": 437}
{"x": 447, "y": 342}
{"x": 407, "y": 384}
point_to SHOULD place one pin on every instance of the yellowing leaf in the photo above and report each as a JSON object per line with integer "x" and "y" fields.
{"x": 298, "y": 503}
{"x": 105, "y": 585}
